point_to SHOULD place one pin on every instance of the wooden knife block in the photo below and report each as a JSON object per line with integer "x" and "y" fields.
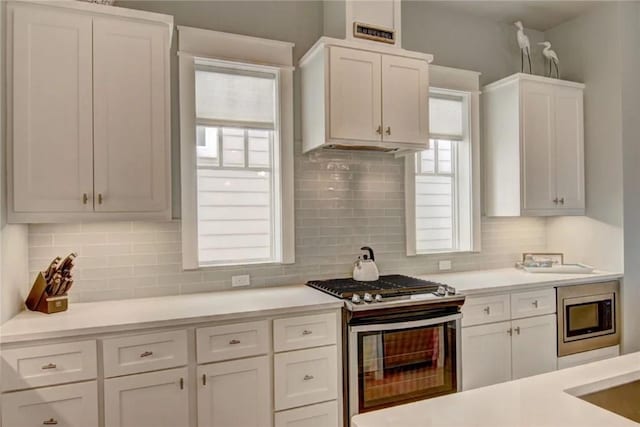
{"x": 40, "y": 300}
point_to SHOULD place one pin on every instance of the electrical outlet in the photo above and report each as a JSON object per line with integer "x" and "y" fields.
{"x": 244, "y": 280}
{"x": 444, "y": 265}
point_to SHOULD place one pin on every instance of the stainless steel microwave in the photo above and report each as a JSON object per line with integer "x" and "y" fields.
{"x": 588, "y": 317}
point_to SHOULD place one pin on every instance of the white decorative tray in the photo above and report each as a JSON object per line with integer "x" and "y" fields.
{"x": 560, "y": 269}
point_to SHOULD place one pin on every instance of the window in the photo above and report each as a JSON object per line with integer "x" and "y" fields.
{"x": 442, "y": 208}
{"x": 236, "y": 208}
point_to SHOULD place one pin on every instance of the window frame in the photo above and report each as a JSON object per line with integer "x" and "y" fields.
{"x": 246, "y": 54}
{"x": 454, "y": 82}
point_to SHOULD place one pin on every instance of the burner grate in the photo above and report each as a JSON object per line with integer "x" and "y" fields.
{"x": 390, "y": 285}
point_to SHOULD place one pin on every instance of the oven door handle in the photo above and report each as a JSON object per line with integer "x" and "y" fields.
{"x": 404, "y": 325}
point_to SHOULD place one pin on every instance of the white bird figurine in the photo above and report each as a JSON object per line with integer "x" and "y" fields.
{"x": 552, "y": 57}
{"x": 525, "y": 47}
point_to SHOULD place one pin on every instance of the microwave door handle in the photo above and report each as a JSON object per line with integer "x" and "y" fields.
{"x": 405, "y": 325}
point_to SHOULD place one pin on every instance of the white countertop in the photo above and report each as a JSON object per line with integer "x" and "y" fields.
{"x": 120, "y": 315}
{"x": 508, "y": 279}
{"x": 539, "y": 401}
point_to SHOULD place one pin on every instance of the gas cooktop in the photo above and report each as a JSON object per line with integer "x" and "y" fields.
{"x": 394, "y": 285}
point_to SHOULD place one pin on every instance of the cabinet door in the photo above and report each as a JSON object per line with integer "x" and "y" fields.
{"x": 130, "y": 122}
{"x": 235, "y": 394}
{"x": 71, "y": 405}
{"x": 538, "y": 152}
{"x": 486, "y": 355}
{"x": 534, "y": 346}
{"x": 52, "y": 159}
{"x": 355, "y": 95}
{"x": 569, "y": 148}
{"x": 156, "y": 399}
{"x": 405, "y": 100}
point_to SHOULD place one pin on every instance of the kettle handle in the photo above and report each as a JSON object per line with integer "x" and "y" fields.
{"x": 367, "y": 248}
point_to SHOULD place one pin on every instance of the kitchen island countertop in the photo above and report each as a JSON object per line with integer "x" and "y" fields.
{"x": 541, "y": 401}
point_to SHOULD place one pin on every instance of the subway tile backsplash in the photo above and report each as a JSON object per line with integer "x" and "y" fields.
{"x": 343, "y": 200}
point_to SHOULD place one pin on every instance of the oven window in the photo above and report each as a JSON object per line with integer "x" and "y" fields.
{"x": 404, "y": 365}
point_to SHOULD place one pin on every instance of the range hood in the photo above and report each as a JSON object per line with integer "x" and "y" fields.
{"x": 363, "y": 91}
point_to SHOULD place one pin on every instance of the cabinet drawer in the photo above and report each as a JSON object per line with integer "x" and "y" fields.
{"x": 72, "y": 405}
{"x": 306, "y": 376}
{"x": 479, "y": 310}
{"x": 320, "y": 415}
{"x": 533, "y": 303}
{"x": 293, "y": 333}
{"x": 232, "y": 341}
{"x": 30, "y": 367}
{"x": 143, "y": 353}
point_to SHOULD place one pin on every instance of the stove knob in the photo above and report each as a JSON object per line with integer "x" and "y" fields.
{"x": 378, "y": 298}
{"x": 368, "y": 297}
{"x": 442, "y": 291}
{"x": 451, "y": 290}
{"x": 355, "y": 298}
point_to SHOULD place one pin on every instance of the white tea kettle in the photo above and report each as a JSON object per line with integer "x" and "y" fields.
{"x": 365, "y": 269}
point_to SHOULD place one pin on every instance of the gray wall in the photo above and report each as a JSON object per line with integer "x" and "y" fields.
{"x": 342, "y": 200}
{"x": 594, "y": 50}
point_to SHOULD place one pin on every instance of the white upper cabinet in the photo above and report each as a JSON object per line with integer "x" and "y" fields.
{"x": 358, "y": 96}
{"x": 405, "y": 100}
{"x": 355, "y": 94}
{"x": 88, "y": 113}
{"x": 130, "y": 127}
{"x": 52, "y": 111}
{"x": 534, "y": 139}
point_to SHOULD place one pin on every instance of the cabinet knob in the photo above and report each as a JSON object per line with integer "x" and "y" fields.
{"x": 487, "y": 310}
{"x": 562, "y": 201}
{"x": 85, "y": 198}
{"x": 555, "y": 201}
{"x": 100, "y": 198}
{"x": 50, "y": 366}
{"x": 146, "y": 354}
{"x": 308, "y": 377}
{"x": 379, "y": 130}
{"x": 50, "y": 422}
{"x": 535, "y": 303}
{"x": 510, "y": 331}
{"x": 388, "y": 131}
{"x": 517, "y": 329}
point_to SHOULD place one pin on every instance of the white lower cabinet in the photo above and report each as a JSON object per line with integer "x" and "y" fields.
{"x": 235, "y": 393}
{"x": 533, "y": 347}
{"x": 72, "y": 405}
{"x": 499, "y": 352}
{"x": 156, "y": 399}
{"x": 320, "y": 415}
{"x": 486, "y": 355}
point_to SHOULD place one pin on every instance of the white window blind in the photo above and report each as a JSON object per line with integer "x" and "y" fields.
{"x": 446, "y": 117}
{"x": 231, "y": 96}
{"x": 238, "y": 193}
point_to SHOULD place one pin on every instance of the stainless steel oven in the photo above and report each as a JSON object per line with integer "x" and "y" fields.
{"x": 588, "y": 317}
{"x": 394, "y": 361}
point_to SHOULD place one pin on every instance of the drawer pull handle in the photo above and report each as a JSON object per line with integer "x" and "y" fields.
{"x": 147, "y": 354}
{"x": 535, "y": 303}
{"x": 50, "y": 422}
{"x": 487, "y": 310}
{"x": 204, "y": 379}
{"x": 510, "y": 331}
{"x": 233, "y": 342}
{"x": 308, "y": 377}
{"x": 181, "y": 383}
{"x": 307, "y": 332}
{"x": 517, "y": 329}
{"x": 50, "y": 366}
